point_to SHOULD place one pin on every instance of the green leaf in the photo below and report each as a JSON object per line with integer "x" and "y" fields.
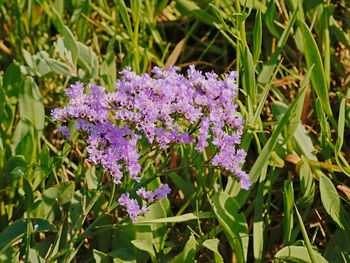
{"x": 188, "y": 253}
{"x": 330, "y": 200}
{"x": 125, "y": 17}
{"x": 259, "y": 222}
{"x": 190, "y": 7}
{"x": 51, "y": 198}
{"x": 59, "y": 67}
{"x": 341, "y": 124}
{"x": 305, "y": 236}
{"x": 71, "y": 44}
{"x": 182, "y": 184}
{"x": 248, "y": 77}
{"x": 318, "y": 78}
{"x": 28, "y": 191}
{"x": 92, "y": 180}
{"x": 23, "y": 141}
{"x": 271, "y": 64}
{"x": 233, "y": 223}
{"x": 34, "y": 258}
{"x": 45, "y": 159}
{"x": 270, "y": 17}
{"x": 178, "y": 219}
{"x": 307, "y": 183}
{"x": 298, "y": 254}
{"x": 122, "y": 255}
{"x": 88, "y": 61}
{"x": 100, "y": 257}
{"x": 288, "y": 202}
{"x": 11, "y": 82}
{"x": 212, "y": 244}
{"x": 31, "y": 106}
{"x": 19, "y": 228}
{"x": 145, "y": 245}
{"x": 270, "y": 145}
{"x": 257, "y": 37}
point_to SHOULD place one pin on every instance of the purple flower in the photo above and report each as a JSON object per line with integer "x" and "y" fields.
{"x": 162, "y": 192}
{"x": 158, "y": 194}
{"x": 132, "y": 207}
{"x": 166, "y": 109}
{"x": 64, "y": 130}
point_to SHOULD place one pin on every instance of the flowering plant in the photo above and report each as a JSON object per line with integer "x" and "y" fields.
{"x": 166, "y": 109}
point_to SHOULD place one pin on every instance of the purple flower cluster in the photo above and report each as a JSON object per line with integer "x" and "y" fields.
{"x": 132, "y": 206}
{"x": 166, "y": 108}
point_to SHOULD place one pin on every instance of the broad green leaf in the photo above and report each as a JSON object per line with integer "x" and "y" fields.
{"x": 146, "y": 246}
{"x": 23, "y": 141}
{"x": 31, "y": 106}
{"x": 307, "y": 183}
{"x": 212, "y": 244}
{"x": 34, "y": 258}
{"x": 19, "y": 228}
{"x": 41, "y": 67}
{"x": 330, "y": 200}
{"x": 27, "y": 188}
{"x": 233, "y": 223}
{"x": 45, "y": 159}
{"x": 59, "y": 67}
{"x": 108, "y": 72}
{"x": 88, "y": 61}
{"x": 28, "y": 58}
{"x": 71, "y": 44}
{"x": 11, "y": 82}
{"x": 100, "y": 257}
{"x": 48, "y": 201}
{"x": 188, "y": 253}
{"x": 297, "y": 254}
{"x": 92, "y": 181}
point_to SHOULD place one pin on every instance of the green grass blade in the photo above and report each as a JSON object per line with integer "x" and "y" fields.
{"x": 306, "y": 238}
{"x": 248, "y": 77}
{"x": 318, "y": 78}
{"x": 269, "y": 67}
{"x": 257, "y": 37}
{"x": 288, "y": 201}
{"x": 270, "y": 145}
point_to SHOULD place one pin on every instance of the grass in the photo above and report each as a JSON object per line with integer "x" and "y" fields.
{"x": 294, "y": 65}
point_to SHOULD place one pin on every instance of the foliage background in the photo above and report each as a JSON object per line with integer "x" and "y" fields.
{"x": 294, "y": 63}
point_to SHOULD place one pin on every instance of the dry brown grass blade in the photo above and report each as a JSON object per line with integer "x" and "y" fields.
{"x": 175, "y": 54}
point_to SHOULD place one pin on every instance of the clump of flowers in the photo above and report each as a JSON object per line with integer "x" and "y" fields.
{"x": 166, "y": 108}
